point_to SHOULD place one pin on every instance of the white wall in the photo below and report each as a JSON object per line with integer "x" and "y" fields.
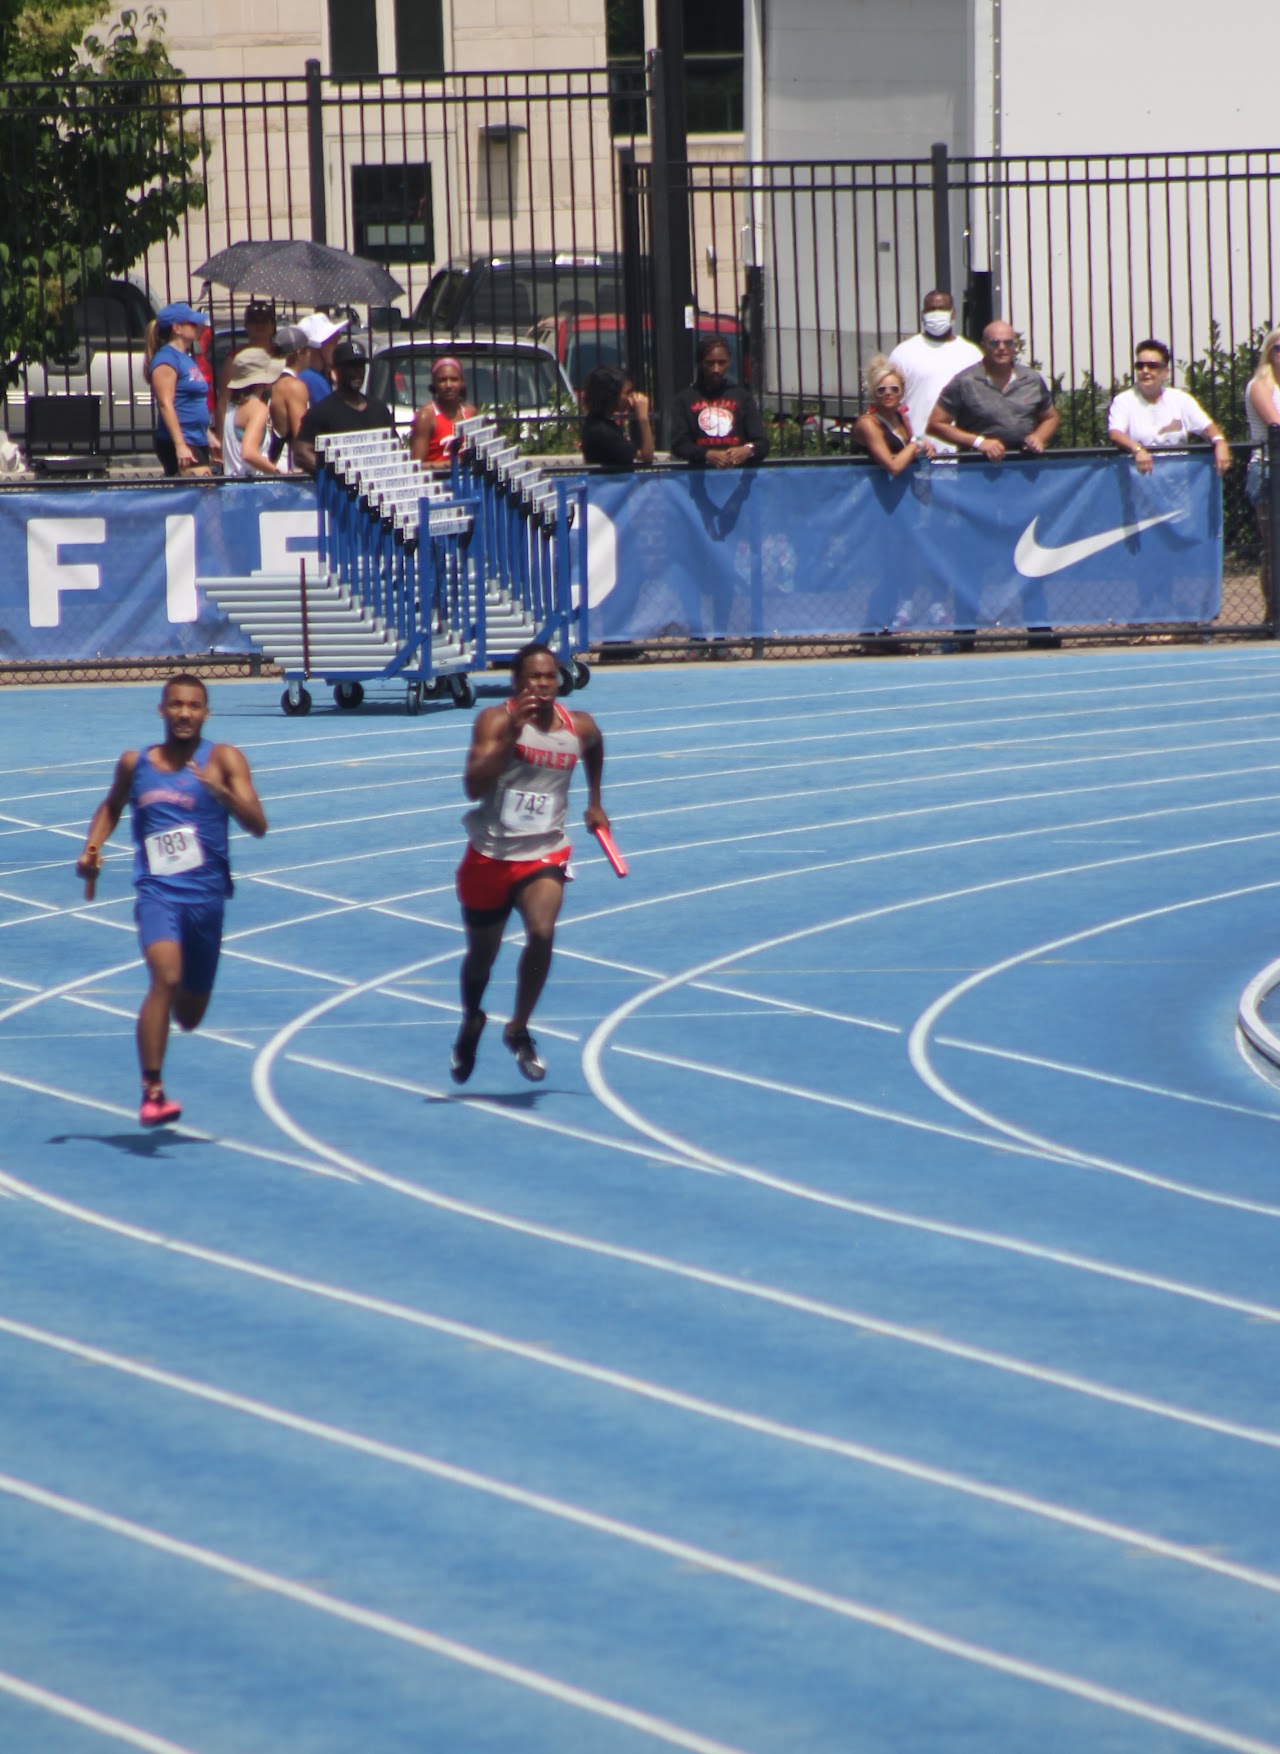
{"x": 1116, "y": 76}
{"x": 866, "y": 78}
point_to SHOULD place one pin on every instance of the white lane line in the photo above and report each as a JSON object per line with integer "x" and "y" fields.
{"x": 918, "y": 1041}
{"x": 947, "y": 1479}
{"x": 601, "y": 1038}
{"x": 695, "y": 1157}
{"x": 368, "y": 1619}
{"x": 1006, "y": 1138}
{"x": 1093, "y": 1076}
{"x": 1043, "y": 1376}
{"x": 266, "y": 1153}
{"x": 60, "y": 1706}
{"x": 594, "y": 1704}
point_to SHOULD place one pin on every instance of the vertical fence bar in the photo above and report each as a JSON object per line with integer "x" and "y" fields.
{"x": 315, "y": 154}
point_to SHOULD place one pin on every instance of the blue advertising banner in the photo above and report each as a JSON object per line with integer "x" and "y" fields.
{"x": 115, "y": 572}
{"x": 1067, "y": 540}
{"x": 100, "y": 572}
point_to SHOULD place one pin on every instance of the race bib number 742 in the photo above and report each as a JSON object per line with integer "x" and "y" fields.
{"x": 526, "y": 812}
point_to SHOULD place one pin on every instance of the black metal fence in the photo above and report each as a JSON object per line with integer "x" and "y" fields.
{"x": 810, "y": 266}
{"x": 1085, "y": 256}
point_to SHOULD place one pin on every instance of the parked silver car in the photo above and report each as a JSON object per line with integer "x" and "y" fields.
{"x": 105, "y": 357}
{"x": 511, "y": 378}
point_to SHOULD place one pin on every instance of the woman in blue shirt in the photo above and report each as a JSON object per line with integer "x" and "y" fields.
{"x": 180, "y": 392}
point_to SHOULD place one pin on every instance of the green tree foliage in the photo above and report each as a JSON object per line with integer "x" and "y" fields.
{"x": 97, "y": 160}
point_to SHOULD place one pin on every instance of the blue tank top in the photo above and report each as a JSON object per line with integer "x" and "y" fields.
{"x": 190, "y": 396}
{"x": 318, "y": 386}
{"x": 180, "y": 841}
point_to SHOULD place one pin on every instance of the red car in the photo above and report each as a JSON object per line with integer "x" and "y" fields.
{"x": 582, "y": 343}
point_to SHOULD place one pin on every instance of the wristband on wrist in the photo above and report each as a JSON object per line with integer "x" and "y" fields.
{"x": 977, "y": 443}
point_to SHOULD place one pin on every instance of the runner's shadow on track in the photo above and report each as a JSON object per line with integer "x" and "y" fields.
{"x": 144, "y": 1145}
{"x": 517, "y": 1099}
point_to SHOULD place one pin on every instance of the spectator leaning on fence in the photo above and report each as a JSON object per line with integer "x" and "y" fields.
{"x": 927, "y": 362}
{"x": 1154, "y": 417}
{"x": 996, "y": 406}
{"x": 885, "y": 431}
{"x": 611, "y": 404}
{"x": 714, "y": 423}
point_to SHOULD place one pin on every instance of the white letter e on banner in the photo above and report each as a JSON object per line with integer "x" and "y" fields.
{"x": 46, "y": 577}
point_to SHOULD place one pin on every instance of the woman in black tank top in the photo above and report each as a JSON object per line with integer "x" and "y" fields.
{"x": 885, "y": 431}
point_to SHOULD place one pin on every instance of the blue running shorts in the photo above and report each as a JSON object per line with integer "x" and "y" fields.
{"x": 196, "y": 926}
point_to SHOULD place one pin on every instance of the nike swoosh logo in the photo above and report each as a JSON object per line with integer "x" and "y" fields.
{"x": 1035, "y": 561}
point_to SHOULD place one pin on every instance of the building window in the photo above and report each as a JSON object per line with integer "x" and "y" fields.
{"x": 420, "y": 38}
{"x": 713, "y": 48}
{"x": 624, "y": 56}
{"x": 353, "y": 39}
{"x": 498, "y": 171}
{"x": 713, "y": 45}
{"x": 391, "y": 212}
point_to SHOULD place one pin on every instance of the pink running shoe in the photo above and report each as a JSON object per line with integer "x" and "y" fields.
{"x": 157, "y": 1110}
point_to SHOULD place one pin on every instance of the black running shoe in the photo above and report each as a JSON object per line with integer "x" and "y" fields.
{"x": 522, "y": 1045}
{"x": 464, "y": 1048}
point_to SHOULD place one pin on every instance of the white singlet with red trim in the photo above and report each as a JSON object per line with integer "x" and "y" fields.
{"x": 524, "y": 816}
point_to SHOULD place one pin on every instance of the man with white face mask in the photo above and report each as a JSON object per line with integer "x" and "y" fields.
{"x": 927, "y": 362}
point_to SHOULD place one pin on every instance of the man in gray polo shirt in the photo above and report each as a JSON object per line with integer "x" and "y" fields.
{"x": 997, "y": 405}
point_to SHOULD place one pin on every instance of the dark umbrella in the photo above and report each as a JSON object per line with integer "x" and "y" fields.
{"x": 299, "y": 272}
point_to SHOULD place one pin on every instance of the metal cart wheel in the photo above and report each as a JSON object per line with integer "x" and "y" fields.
{"x": 581, "y": 673}
{"x": 295, "y": 701}
{"x": 567, "y": 678}
{"x": 462, "y": 691}
{"x": 348, "y": 694}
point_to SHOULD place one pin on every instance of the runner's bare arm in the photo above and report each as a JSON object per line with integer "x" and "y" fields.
{"x": 492, "y": 742}
{"x": 107, "y": 815}
{"x": 593, "y": 766}
{"x": 227, "y": 777}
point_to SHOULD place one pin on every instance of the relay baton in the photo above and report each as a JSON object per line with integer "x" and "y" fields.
{"x": 610, "y": 850}
{"x": 91, "y": 881}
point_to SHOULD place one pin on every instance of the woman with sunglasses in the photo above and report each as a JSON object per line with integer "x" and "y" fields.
{"x": 1153, "y": 417}
{"x": 884, "y": 432}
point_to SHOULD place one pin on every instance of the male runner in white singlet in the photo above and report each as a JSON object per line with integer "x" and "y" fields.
{"x": 521, "y": 760}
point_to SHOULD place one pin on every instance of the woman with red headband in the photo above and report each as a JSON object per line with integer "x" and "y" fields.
{"x": 431, "y": 438}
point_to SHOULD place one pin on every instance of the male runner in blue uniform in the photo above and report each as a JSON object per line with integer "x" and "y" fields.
{"x": 182, "y": 792}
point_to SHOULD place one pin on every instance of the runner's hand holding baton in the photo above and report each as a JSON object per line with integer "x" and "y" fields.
{"x": 89, "y": 864}
{"x": 609, "y": 847}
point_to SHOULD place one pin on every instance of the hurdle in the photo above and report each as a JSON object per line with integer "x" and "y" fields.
{"x": 535, "y": 546}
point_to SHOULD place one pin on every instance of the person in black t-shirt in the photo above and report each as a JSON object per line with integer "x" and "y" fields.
{"x": 609, "y": 400}
{"x": 347, "y": 410}
{"x": 716, "y": 424}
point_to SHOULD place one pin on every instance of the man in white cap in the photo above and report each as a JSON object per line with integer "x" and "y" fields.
{"x": 322, "y": 332}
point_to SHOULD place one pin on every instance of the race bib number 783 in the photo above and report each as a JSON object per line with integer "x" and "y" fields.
{"x": 174, "y": 850}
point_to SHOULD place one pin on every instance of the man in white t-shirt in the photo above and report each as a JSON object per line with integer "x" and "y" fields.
{"x": 928, "y": 361}
{"x": 1154, "y": 417}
